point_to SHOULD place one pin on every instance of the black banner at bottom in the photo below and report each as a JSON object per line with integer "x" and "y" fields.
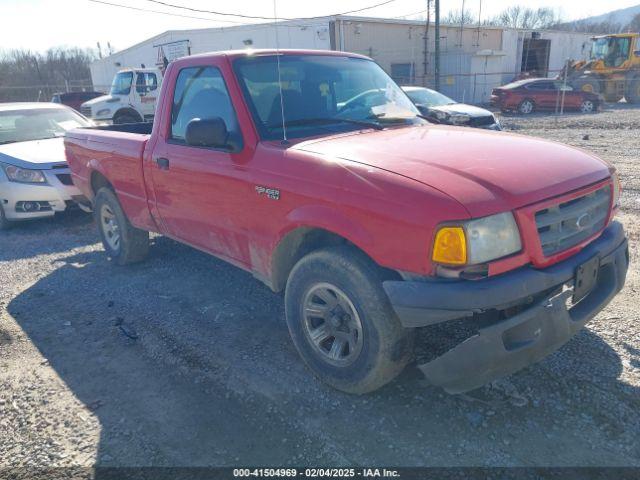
{"x": 283, "y": 473}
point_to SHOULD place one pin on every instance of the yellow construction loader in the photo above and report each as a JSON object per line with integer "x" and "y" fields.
{"x": 613, "y": 69}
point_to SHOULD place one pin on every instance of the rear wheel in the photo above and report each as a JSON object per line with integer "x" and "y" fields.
{"x": 633, "y": 91}
{"x": 341, "y": 322}
{"x": 587, "y": 106}
{"x": 123, "y": 242}
{"x": 526, "y": 107}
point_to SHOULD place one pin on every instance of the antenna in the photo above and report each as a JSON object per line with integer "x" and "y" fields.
{"x": 284, "y": 126}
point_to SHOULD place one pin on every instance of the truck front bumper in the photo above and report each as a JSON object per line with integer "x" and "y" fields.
{"x": 545, "y": 317}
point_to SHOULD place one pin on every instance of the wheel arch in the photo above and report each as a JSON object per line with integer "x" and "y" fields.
{"x": 301, "y": 240}
{"x": 127, "y": 111}
{"x": 98, "y": 181}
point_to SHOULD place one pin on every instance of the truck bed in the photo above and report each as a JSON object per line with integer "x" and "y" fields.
{"x": 115, "y": 152}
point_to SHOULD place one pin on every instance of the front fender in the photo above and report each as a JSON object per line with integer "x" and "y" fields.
{"x": 330, "y": 219}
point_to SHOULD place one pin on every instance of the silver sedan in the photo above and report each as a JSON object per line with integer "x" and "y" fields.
{"x": 35, "y": 180}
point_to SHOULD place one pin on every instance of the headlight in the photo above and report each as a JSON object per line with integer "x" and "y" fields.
{"x": 617, "y": 188}
{"x": 22, "y": 175}
{"x": 103, "y": 112}
{"x": 477, "y": 241}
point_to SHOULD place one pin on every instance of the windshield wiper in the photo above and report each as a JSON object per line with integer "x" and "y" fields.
{"x": 8, "y": 141}
{"x": 325, "y": 120}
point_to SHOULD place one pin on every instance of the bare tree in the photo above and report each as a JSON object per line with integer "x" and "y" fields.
{"x": 518, "y": 16}
{"x": 457, "y": 17}
{"x": 27, "y": 75}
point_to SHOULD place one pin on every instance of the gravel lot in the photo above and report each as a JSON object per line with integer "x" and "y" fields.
{"x": 186, "y": 361}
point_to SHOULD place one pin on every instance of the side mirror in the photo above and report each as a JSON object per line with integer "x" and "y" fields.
{"x": 207, "y": 132}
{"x": 637, "y": 53}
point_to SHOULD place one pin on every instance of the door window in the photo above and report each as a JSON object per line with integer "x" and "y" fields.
{"x": 541, "y": 86}
{"x": 200, "y": 92}
{"x": 146, "y": 82}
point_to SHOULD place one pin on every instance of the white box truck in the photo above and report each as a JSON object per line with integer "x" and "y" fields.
{"x": 132, "y": 98}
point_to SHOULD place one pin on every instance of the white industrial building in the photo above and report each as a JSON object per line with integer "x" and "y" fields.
{"x": 473, "y": 59}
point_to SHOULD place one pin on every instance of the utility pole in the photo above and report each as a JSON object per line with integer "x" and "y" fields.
{"x": 426, "y": 45}
{"x": 436, "y": 63}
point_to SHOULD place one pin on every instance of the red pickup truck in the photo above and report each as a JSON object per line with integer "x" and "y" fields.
{"x": 374, "y": 223}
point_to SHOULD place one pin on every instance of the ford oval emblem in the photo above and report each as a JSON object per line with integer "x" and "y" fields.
{"x": 582, "y": 221}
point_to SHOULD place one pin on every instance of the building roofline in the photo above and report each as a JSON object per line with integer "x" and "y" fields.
{"x": 330, "y": 18}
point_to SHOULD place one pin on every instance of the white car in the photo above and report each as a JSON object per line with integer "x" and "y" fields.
{"x": 35, "y": 180}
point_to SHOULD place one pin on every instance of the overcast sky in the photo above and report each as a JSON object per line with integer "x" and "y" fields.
{"x": 40, "y": 24}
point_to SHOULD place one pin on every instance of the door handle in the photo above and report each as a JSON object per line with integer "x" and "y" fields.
{"x": 163, "y": 163}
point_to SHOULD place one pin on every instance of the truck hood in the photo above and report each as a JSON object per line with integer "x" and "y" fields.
{"x": 35, "y": 154}
{"x": 102, "y": 99}
{"x": 485, "y": 171}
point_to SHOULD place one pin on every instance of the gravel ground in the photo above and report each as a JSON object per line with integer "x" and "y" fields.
{"x": 186, "y": 361}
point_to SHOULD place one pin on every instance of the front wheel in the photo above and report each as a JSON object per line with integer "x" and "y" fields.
{"x": 122, "y": 241}
{"x": 341, "y": 322}
{"x": 587, "y": 106}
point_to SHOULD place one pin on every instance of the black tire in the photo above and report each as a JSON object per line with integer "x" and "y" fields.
{"x": 527, "y": 106}
{"x": 123, "y": 118}
{"x": 385, "y": 345}
{"x": 4, "y": 223}
{"x": 632, "y": 95}
{"x": 133, "y": 244}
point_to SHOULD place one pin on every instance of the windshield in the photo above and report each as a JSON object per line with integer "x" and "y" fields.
{"x": 121, "y": 83}
{"x": 429, "y": 98}
{"x": 37, "y": 124}
{"x": 612, "y": 50}
{"x": 321, "y": 93}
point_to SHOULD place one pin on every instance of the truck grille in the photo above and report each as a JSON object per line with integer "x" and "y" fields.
{"x": 86, "y": 111}
{"x": 566, "y": 224}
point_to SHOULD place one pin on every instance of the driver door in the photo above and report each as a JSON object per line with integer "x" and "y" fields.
{"x": 147, "y": 93}
{"x": 201, "y": 193}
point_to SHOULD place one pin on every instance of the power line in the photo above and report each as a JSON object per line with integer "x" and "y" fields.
{"x": 146, "y": 10}
{"x": 411, "y": 14}
{"x": 256, "y": 17}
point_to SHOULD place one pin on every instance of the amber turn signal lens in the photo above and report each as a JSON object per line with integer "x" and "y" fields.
{"x": 450, "y": 246}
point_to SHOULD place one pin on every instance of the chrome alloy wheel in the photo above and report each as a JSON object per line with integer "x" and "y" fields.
{"x": 587, "y": 106}
{"x": 332, "y": 324}
{"x": 110, "y": 227}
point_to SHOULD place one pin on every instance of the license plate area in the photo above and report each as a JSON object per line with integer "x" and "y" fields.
{"x": 585, "y": 278}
